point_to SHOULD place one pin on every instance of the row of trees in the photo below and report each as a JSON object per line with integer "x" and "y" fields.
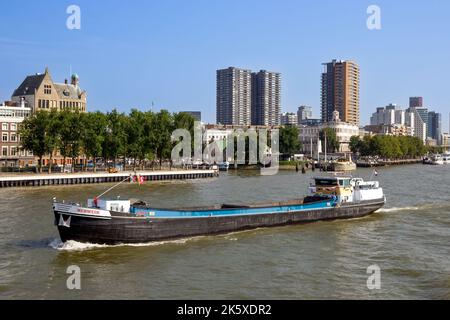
{"x": 389, "y": 147}
{"x": 140, "y": 136}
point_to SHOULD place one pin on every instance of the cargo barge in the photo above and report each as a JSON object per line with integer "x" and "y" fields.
{"x": 109, "y": 221}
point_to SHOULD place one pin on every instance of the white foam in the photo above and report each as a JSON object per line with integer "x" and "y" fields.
{"x": 71, "y": 245}
{"x": 398, "y": 209}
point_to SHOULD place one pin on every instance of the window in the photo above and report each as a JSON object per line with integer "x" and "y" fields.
{"x": 47, "y": 89}
{"x": 13, "y": 151}
{"x": 13, "y": 126}
{"x": 4, "y": 137}
{"x": 4, "y": 126}
{"x": 4, "y": 151}
{"x": 13, "y": 137}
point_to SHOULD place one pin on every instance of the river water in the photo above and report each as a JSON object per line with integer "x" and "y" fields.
{"x": 408, "y": 240}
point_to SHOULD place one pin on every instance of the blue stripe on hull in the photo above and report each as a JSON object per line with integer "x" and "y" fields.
{"x": 160, "y": 213}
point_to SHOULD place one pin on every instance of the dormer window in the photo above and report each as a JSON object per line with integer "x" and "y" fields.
{"x": 47, "y": 89}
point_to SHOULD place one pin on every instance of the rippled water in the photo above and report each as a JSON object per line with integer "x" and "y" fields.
{"x": 408, "y": 240}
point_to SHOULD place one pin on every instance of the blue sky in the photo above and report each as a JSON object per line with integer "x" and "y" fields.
{"x": 132, "y": 53}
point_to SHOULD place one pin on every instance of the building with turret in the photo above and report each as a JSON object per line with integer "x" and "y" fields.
{"x": 40, "y": 93}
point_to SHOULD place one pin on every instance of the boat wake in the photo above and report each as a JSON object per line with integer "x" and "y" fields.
{"x": 415, "y": 208}
{"x": 398, "y": 209}
{"x": 71, "y": 245}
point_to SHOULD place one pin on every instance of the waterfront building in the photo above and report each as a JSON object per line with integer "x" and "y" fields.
{"x": 266, "y": 98}
{"x": 216, "y": 132}
{"x": 445, "y": 140}
{"x": 289, "y": 118}
{"x": 304, "y": 113}
{"x": 309, "y": 134}
{"x": 340, "y": 91}
{"x": 234, "y": 96}
{"x": 11, "y": 116}
{"x": 430, "y": 142}
{"x": 41, "y": 93}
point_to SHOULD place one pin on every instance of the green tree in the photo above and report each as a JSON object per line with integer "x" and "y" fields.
{"x": 332, "y": 141}
{"x": 355, "y": 144}
{"x": 289, "y": 140}
{"x": 163, "y": 126}
{"x": 34, "y": 135}
{"x": 150, "y": 139}
{"x": 76, "y": 128}
{"x": 53, "y": 127}
{"x": 135, "y": 136}
{"x": 93, "y": 135}
{"x": 115, "y": 137}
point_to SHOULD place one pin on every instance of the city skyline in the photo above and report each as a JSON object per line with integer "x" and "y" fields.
{"x": 176, "y": 51}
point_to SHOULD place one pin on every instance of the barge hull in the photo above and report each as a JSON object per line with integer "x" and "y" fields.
{"x": 122, "y": 230}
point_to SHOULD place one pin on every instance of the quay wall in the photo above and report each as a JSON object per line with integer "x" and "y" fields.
{"x": 91, "y": 178}
{"x": 388, "y": 163}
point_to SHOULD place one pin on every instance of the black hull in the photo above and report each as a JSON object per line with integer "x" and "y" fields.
{"x": 122, "y": 230}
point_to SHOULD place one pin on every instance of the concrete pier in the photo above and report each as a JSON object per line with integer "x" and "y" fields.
{"x": 91, "y": 178}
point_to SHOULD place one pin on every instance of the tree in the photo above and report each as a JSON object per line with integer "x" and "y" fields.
{"x": 332, "y": 141}
{"x": 115, "y": 138}
{"x": 34, "y": 135}
{"x": 135, "y": 136}
{"x": 355, "y": 144}
{"x": 149, "y": 141}
{"x": 53, "y": 127}
{"x": 289, "y": 140}
{"x": 76, "y": 129}
{"x": 93, "y": 135}
{"x": 391, "y": 147}
{"x": 163, "y": 126}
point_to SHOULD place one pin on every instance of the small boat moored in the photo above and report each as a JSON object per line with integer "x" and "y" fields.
{"x": 224, "y": 166}
{"x": 439, "y": 159}
{"x": 117, "y": 221}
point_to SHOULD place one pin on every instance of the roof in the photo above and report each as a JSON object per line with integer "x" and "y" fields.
{"x": 68, "y": 91}
{"x": 29, "y": 85}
